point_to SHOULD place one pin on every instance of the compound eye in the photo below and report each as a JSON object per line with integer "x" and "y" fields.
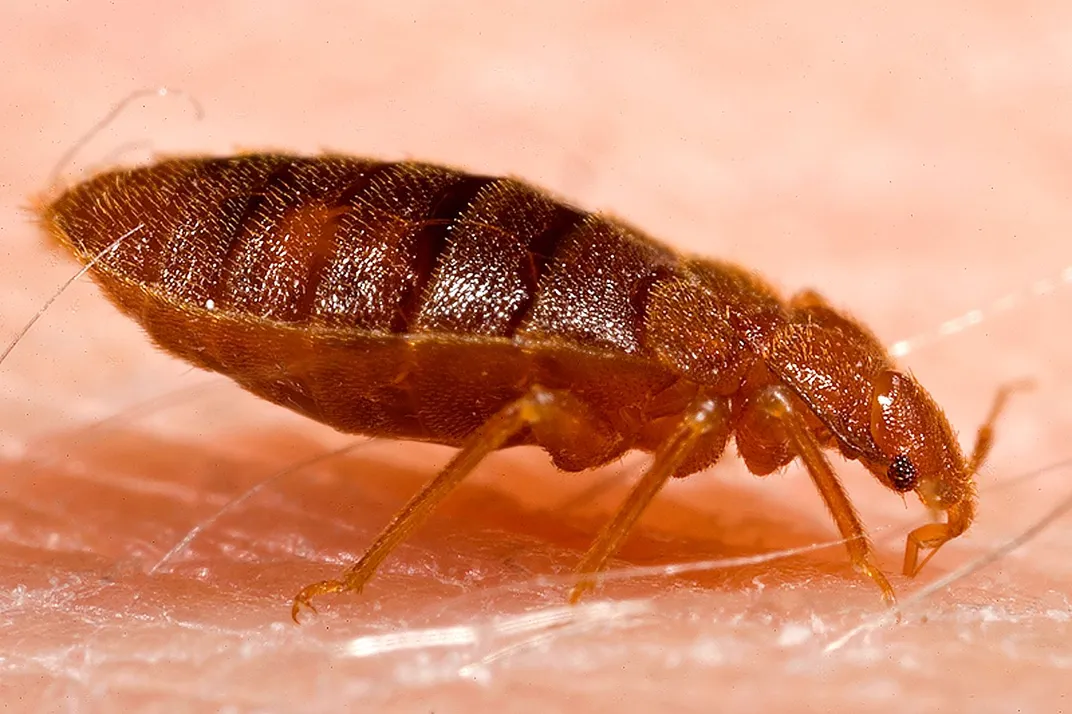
{"x": 902, "y": 473}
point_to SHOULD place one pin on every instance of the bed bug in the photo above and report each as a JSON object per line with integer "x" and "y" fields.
{"x": 406, "y": 300}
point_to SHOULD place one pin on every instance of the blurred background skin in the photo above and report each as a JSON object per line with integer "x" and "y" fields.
{"x": 910, "y": 163}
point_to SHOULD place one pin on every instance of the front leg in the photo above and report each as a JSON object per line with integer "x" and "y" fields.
{"x": 775, "y": 406}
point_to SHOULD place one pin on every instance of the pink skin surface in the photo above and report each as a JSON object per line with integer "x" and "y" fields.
{"x": 911, "y": 164}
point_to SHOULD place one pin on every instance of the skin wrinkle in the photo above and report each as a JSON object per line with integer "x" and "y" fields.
{"x": 900, "y": 162}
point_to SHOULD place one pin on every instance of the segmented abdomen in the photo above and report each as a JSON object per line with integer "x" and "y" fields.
{"x": 383, "y": 247}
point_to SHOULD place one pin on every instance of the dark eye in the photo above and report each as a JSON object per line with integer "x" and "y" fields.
{"x": 902, "y": 473}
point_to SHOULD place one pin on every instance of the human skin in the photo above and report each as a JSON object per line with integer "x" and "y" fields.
{"x": 907, "y": 164}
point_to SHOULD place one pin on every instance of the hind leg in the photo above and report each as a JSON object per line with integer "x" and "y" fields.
{"x": 561, "y": 423}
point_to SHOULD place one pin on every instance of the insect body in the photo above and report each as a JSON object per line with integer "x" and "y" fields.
{"x": 411, "y": 301}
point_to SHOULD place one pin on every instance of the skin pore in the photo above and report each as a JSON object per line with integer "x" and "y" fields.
{"x": 900, "y": 164}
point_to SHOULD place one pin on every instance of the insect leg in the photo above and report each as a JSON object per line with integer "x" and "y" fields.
{"x": 538, "y": 409}
{"x": 704, "y": 416}
{"x": 776, "y": 402}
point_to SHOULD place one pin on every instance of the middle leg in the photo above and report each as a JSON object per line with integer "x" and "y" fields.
{"x": 776, "y": 403}
{"x": 706, "y": 424}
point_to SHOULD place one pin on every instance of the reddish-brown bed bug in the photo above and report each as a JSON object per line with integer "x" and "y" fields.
{"x": 411, "y": 301}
